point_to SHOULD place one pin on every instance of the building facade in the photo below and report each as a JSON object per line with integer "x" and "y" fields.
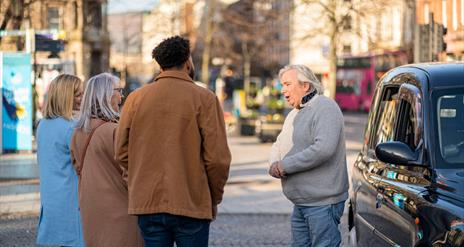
{"x": 127, "y": 42}
{"x": 135, "y": 34}
{"x": 449, "y": 14}
{"x": 308, "y": 46}
{"x": 388, "y": 26}
{"x": 78, "y": 26}
{"x": 168, "y": 18}
{"x": 259, "y": 33}
{"x": 371, "y": 27}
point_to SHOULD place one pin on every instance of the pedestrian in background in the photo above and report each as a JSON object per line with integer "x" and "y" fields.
{"x": 309, "y": 157}
{"x": 59, "y": 220}
{"x": 172, "y": 139}
{"x": 102, "y": 189}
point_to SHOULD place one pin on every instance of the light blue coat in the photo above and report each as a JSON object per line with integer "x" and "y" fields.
{"x": 60, "y": 221}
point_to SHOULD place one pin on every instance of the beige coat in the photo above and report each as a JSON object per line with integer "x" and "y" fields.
{"x": 102, "y": 191}
{"x": 172, "y": 138}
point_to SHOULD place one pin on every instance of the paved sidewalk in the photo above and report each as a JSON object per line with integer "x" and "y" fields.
{"x": 249, "y": 190}
{"x": 18, "y": 166}
{"x": 246, "y": 230}
{"x": 254, "y": 212}
{"x": 19, "y": 183}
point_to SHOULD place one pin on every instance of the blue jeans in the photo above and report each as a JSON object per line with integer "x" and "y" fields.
{"x": 164, "y": 229}
{"x": 316, "y": 226}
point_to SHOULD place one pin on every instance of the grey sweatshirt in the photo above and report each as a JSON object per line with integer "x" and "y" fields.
{"x": 312, "y": 149}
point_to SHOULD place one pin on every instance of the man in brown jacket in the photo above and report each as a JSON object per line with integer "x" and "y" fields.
{"x": 171, "y": 138}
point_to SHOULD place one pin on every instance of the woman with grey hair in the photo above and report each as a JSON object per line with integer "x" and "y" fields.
{"x": 103, "y": 197}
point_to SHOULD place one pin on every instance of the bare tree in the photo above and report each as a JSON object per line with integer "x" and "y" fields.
{"x": 13, "y": 13}
{"x": 248, "y": 32}
{"x": 210, "y": 27}
{"x": 131, "y": 40}
{"x": 167, "y": 18}
{"x": 336, "y": 15}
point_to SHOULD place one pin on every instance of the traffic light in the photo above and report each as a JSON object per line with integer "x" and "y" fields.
{"x": 425, "y": 43}
{"x": 441, "y": 32}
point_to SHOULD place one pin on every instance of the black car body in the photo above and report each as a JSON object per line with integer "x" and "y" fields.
{"x": 408, "y": 180}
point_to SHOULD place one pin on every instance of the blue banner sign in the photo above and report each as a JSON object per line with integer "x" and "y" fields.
{"x": 16, "y": 87}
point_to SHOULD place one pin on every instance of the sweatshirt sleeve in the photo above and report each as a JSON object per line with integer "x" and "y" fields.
{"x": 275, "y": 152}
{"x": 215, "y": 149}
{"x": 283, "y": 142}
{"x": 328, "y": 126}
{"x": 121, "y": 143}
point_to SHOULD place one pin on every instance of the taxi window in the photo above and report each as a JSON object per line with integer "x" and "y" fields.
{"x": 385, "y": 129}
{"x": 450, "y": 112}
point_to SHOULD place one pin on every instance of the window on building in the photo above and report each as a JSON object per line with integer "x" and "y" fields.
{"x": 347, "y": 49}
{"x": 426, "y": 13}
{"x": 96, "y": 62}
{"x": 104, "y": 13}
{"x": 373, "y": 26}
{"x": 94, "y": 16}
{"x": 444, "y": 13}
{"x": 347, "y": 23}
{"x": 462, "y": 12}
{"x": 386, "y": 25}
{"x": 53, "y": 18}
{"x": 76, "y": 15}
{"x": 455, "y": 15}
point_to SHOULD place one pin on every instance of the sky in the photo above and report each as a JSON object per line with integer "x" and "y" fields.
{"x": 118, "y": 6}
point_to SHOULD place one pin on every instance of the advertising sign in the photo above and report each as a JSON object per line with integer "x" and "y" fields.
{"x": 16, "y": 103}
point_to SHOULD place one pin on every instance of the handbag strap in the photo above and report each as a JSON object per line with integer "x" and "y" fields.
{"x": 79, "y": 169}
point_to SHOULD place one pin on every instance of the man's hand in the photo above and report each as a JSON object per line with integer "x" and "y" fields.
{"x": 277, "y": 170}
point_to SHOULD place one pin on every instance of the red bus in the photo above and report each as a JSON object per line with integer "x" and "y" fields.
{"x": 358, "y": 75}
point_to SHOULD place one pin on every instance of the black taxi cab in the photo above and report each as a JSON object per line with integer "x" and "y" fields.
{"x": 407, "y": 183}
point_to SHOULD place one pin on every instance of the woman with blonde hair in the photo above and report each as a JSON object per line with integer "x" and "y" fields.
{"x": 59, "y": 220}
{"x": 103, "y": 192}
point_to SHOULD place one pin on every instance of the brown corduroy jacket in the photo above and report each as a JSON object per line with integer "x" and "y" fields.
{"x": 171, "y": 137}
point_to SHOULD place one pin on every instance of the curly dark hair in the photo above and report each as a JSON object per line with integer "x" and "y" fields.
{"x": 172, "y": 52}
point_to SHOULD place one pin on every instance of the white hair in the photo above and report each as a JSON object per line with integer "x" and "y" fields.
{"x": 304, "y": 75}
{"x": 96, "y": 102}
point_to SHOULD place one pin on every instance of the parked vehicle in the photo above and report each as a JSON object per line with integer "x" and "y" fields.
{"x": 408, "y": 180}
{"x": 356, "y": 78}
{"x": 272, "y": 114}
{"x": 268, "y": 127}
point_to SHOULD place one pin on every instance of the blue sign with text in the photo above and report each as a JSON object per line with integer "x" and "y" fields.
{"x": 16, "y": 71}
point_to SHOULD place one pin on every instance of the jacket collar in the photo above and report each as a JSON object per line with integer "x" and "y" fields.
{"x": 174, "y": 74}
{"x": 308, "y": 98}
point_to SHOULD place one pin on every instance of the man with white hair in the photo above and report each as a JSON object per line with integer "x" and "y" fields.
{"x": 309, "y": 158}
